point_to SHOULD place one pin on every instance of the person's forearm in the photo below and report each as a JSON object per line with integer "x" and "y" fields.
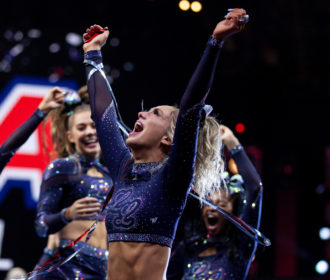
{"x": 19, "y": 137}
{"x": 201, "y": 81}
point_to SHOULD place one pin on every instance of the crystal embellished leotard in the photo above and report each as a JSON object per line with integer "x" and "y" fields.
{"x": 185, "y": 262}
{"x": 149, "y": 198}
{"x": 64, "y": 181}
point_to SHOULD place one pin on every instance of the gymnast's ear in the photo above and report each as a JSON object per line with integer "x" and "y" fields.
{"x": 69, "y": 136}
{"x": 166, "y": 141}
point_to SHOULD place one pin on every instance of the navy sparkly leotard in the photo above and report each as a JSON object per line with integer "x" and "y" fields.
{"x": 64, "y": 181}
{"x": 185, "y": 262}
{"x": 149, "y": 198}
{"x": 18, "y": 137}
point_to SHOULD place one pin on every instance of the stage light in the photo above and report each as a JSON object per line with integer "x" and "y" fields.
{"x": 184, "y": 5}
{"x": 73, "y": 39}
{"x": 114, "y": 42}
{"x": 53, "y": 78}
{"x": 324, "y": 233}
{"x": 34, "y": 33}
{"x": 74, "y": 54}
{"x": 287, "y": 169}
{"x": 16, "y": 50}
{"x": 320, "y": 189}
{"x": 9, "y": 34}
{"x": 240, "y": 127}
{"x": 322, "y": 267}
{"x": 54, "y": 48}
{"x": 128, "y": 66}
{"x": 196, "y": 6}
{"x": 115, "y": 73}
{"x": 18, "y": 36}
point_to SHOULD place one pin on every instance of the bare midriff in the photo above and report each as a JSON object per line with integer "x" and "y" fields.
{"x": 137, "y": 260}
{"x": 74, "y": 229}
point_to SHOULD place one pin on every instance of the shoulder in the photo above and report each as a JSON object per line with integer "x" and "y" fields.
{"x": 62, "y": 166}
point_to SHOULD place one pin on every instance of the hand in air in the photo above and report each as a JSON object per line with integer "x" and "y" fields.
{"x": 234, "y": 22}
{"x": 83, "y": 207}
{"x": 52, "y": 100}
{"x": 95, "y": 38}
{"x": 228, "y": 137}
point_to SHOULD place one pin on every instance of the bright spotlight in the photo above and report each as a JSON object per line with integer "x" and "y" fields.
{"x": 322, "y": 267}
{"x": 324, "y": 233}
{"x": 184, "y": 5}
{"x": 73, "y": 39}
{"x": 114, "y": 42}
{"x": 34, "y": 33}
{"x": 54, "y": 48}
{"x": 196, "y": 6}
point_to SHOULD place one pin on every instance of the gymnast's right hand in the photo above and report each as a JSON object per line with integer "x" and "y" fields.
{"x": 98, "y": 41}
{"x": 81, "y": 208}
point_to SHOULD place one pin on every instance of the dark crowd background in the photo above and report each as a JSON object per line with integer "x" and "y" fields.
{"x": 273, "y": 78}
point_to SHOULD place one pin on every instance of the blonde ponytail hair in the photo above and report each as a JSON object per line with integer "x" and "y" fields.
{"x": 209, "y": 164}
{"x": 62, "y": 122}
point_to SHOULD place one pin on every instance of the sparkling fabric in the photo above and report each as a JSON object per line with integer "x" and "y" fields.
{"x": 18, "y": 137}
{"x": 185, "y": 262}
{"x": 89, "y": 263}
{"x": 149, "y": 198}
{"x": 64, "y": 181}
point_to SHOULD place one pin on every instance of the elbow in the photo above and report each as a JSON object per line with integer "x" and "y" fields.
{"x": 41, "y": 227}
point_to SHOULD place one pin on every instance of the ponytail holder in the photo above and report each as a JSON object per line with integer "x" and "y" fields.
{"x": 71, "y": 100}
{"x": 207, "y": 109}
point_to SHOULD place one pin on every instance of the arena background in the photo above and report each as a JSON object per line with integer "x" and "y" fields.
{"x": 273, "y": 78}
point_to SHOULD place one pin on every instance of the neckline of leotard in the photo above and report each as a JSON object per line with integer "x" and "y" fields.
{"x": 86, "y": 162}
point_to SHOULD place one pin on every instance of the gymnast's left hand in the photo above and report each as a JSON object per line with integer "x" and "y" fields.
{"x": 98, "y": 41}
{"x": 228, "y": 137}
{"x": 230, "y": 25}
{"x": 52, "y": 100}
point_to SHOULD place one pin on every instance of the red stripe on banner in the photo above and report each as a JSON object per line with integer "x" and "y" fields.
{"x": 286, "y": 233}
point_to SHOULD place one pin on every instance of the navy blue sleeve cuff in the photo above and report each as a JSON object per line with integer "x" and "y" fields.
{"x": 236, "y": 150}
{"x": 40, "y": 114}
{"x": 215, "y": 42}
{"x": 92, "y": 55}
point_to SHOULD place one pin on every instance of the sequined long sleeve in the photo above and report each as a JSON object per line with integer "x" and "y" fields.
{"x": 50, "y": 217}
{"x": 253, "y": 187}
{"x": 104, "y": 115}
{"x": 184, "y": 146}
{"x": 18, "y": 137}
{"x": 251, "y": 212}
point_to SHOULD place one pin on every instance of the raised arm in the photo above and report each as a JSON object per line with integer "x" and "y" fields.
{"x": 252, "y": 182}
{"x": 53, "y": 99}
{"x": 102, "y": 102}
{"x": 187, "y": 127}
{"x": 201, "y": 81}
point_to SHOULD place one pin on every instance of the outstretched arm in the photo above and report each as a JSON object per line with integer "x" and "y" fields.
{"x": 201, "y": 81}
{"x": 252, "y": 182}
{"x": 53, "y": 99}
{"x": 101, "y": 99}
{"x": 187, "y": 127}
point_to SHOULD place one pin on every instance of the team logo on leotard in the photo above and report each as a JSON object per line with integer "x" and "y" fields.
{"x": 123, "y": 209}
{"x": 202, "y": 270}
